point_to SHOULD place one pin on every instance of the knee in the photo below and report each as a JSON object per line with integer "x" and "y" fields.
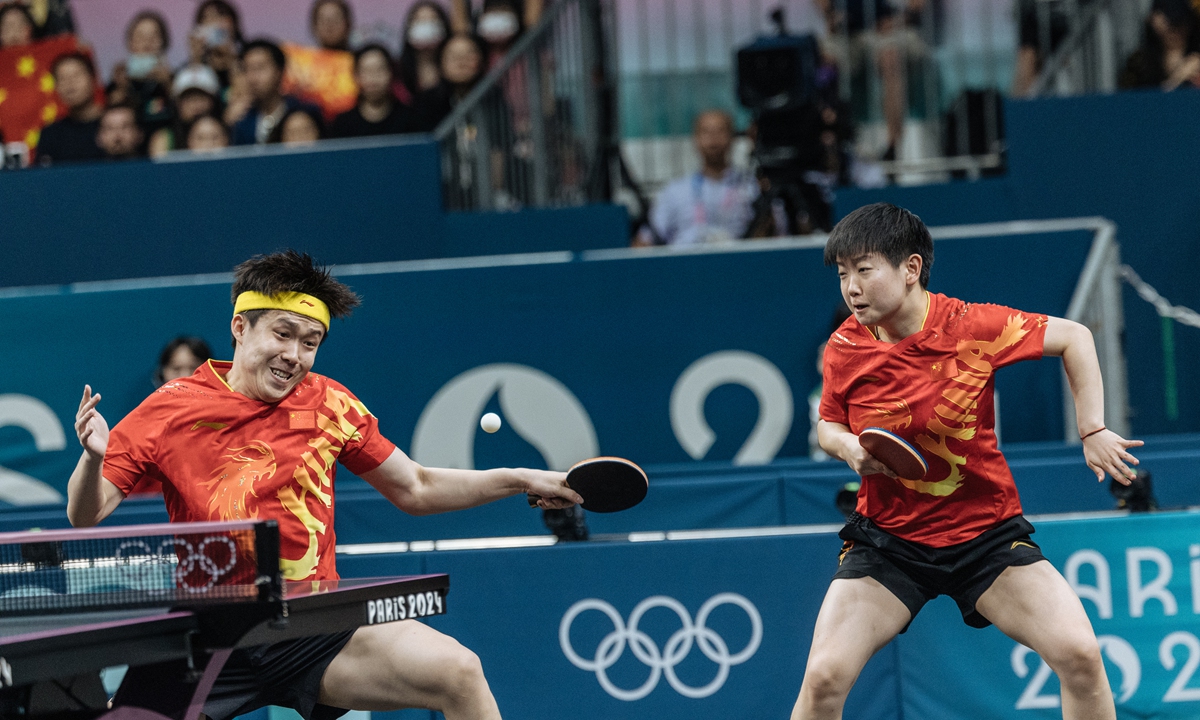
{"x": 1077, "y": 662}
{"x": 826, "y": 682}
{"x": 461, "y": 671}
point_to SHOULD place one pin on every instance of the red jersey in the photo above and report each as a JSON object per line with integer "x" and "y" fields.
{"x": 223, "y": 456}
{"x": 934, "y": 389}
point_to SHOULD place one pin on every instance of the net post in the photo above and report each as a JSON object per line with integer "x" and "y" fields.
{"x": 266, "y": 556}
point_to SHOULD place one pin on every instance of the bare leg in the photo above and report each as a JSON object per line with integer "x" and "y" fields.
{"x": 1035, "y": 606}
{"x": 857, "y": 618}
{"x": 891, "y": 72}
{"x": 406, "y": 664}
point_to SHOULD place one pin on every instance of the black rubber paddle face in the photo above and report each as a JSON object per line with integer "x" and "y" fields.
{"x": 608, "y": 484}
{"x": 891, "y": 450}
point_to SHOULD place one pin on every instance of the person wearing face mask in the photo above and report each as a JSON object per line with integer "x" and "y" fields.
{"x": 377, "y": 111}
{"x": 143, "y": 79}
{"x": 425, "y": 32}
{"x": 216, "y": 39}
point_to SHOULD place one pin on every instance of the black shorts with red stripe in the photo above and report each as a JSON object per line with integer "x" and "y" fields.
{"x": 917, "y": 573}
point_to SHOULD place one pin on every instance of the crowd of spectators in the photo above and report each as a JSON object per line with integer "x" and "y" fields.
{"x": 239, "y": 90}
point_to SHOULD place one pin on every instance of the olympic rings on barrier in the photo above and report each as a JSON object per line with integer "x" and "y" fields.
{"x": 185, "y": 558}
{"x": 661, "y": 662}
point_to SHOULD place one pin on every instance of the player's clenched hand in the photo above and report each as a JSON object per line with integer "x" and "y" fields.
{"x": 90, "y": 426}
{"x": 864, "y": 463}
{"x": 1108, "y": 452}
{"x": 550, "y": 487}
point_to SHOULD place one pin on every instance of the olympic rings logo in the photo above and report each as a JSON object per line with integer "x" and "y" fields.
{"x": 661, "y": 662}
{"x": 184, "y": 557}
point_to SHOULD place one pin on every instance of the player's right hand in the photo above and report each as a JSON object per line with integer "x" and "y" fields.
{"x": 863, "y": 462}
{"x": 90, "y": 426}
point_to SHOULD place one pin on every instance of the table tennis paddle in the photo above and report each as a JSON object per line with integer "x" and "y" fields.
{"x": 891, "y": 450}
{"x": 606, "y": 484}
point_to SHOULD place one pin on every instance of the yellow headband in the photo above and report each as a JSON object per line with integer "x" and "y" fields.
{"x": 299, "y": 303}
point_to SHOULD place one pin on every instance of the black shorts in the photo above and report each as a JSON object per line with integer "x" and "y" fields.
{"x": 287, "y": 674}
{"x": 917, "y": 573}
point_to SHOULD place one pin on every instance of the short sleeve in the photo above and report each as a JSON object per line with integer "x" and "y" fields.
{"x": 1001, "y": 335}
{"x": 132, "y": 445}
{"x": 367, "y": 448}
{"x": 833, "y": 399}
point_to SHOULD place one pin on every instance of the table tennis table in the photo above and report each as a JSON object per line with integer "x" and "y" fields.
{"x": 67, "y": 613}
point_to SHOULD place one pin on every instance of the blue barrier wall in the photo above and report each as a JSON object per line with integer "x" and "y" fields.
{"x": 581, "y": 356}
{"x": 1137, "y": 576}
{"x": 1130, "y": 157}
{"x": 345, "y": 203}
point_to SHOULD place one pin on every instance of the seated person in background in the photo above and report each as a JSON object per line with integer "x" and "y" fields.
{"x": 16, "y": 25}
{"x": 462, "y": 67}
{"x": 528, "y": 13}
{"x": 120, "y": 136}
{"x": 143, "y": 79}
{"x": 207, "y": 132}
{"x": 196, "y": 91}
{"x": 1169, "y": 55}
{"x": 377, "y": 112}
{"x": 74, "y": 137}
{"x": 426, "y": 30}
{"x": 180, "y": 358}
{"x": 330, "y": 23}
{"x": 254, "y": 115}
{"x": 713, "y": 204}
{"x": 215, "y": 40}
{"x": 300, "y": 126}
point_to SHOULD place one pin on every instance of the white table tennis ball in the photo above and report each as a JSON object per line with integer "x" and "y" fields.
{"x": 490, "y": 422}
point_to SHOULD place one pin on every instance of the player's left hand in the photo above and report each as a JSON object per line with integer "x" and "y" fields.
{"x": 1108, "y": 452}
{"x": 551, "y": 488}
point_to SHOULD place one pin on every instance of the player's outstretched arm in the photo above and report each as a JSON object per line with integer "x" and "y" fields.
{"x": 420, "y": 490}
{"x": 837, "y": 440}
{"x": 1104, "y": 450}
{"x": 90, "y": 498}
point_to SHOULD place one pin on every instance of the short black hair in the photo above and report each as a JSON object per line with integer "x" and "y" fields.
{"x": 272, "y": 49}
{"x": 195, "y": 345}
{"x": 78, "y": 56}
{"x": 369, "y": 48}
{"x": 292, "y": 271}
{"x": 893, "y": 232}
{"x": 224, "y": 8}
{"x": 155, "y": 17}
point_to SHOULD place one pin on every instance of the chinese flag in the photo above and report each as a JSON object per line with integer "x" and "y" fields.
{"x": 322, "y": 77}
{"x": 27, "y": 98}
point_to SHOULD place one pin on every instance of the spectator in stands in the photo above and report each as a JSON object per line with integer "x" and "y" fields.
{"x": 462, "y": 67}
{"x": 256, "y": 114}
{"x": 216, "y": 39}
{"x": 73, "y": 138}
{"x": 119, "y": 135}
{"x": 893, "y": 42}
{"x": 426, "y": 30}
{"x": 206, "y": 133}
{"x": 196, "y": 91}
{"x": 300, "y": 126}
{"x": 377, "y": 111}
{"x": 143, "y": 79}
{"x": 180, "y": 358}
{"x": 462, "y": 19}
{"x": 1169, "y": 55}
{"x": 330, "y": 22}
{"x": 501, "y": 23}
{"x": 713, "y": 204}
{"x": 16, "y": 25}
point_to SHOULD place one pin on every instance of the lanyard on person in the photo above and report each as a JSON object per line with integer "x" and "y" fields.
{"x": 701, "y": 211}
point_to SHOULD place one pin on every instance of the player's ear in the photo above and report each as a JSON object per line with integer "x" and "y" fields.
{"x": 238, "y": 326}
{"x": 912, "y": 269}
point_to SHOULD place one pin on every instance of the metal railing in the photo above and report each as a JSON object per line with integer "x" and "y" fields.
{"x": 534, "y": 131}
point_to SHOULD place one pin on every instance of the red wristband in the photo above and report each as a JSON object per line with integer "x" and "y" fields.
{"x": 1099, "y": 429}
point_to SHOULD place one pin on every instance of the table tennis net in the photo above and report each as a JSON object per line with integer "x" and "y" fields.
{"x": 147, "y": 566}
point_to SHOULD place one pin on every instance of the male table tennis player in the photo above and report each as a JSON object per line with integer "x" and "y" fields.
{"x": 921, "y": 365}
{"x": 258, "y": 437}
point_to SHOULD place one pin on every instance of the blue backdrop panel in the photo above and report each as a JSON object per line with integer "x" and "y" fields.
{"x": 1139, "y": 577}
{"x": 1128, "y": 157}
{"x": 617, "y": 334}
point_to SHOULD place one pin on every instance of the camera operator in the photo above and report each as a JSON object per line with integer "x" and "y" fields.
{"x": 713, "y": 204}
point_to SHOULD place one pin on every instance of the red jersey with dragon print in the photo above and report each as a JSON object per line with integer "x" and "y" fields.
{"x": 223, "y": 456}
{"x": 934, "y": 389}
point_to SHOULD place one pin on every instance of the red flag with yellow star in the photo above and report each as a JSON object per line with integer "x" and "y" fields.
{"x": 27, "y": 98}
